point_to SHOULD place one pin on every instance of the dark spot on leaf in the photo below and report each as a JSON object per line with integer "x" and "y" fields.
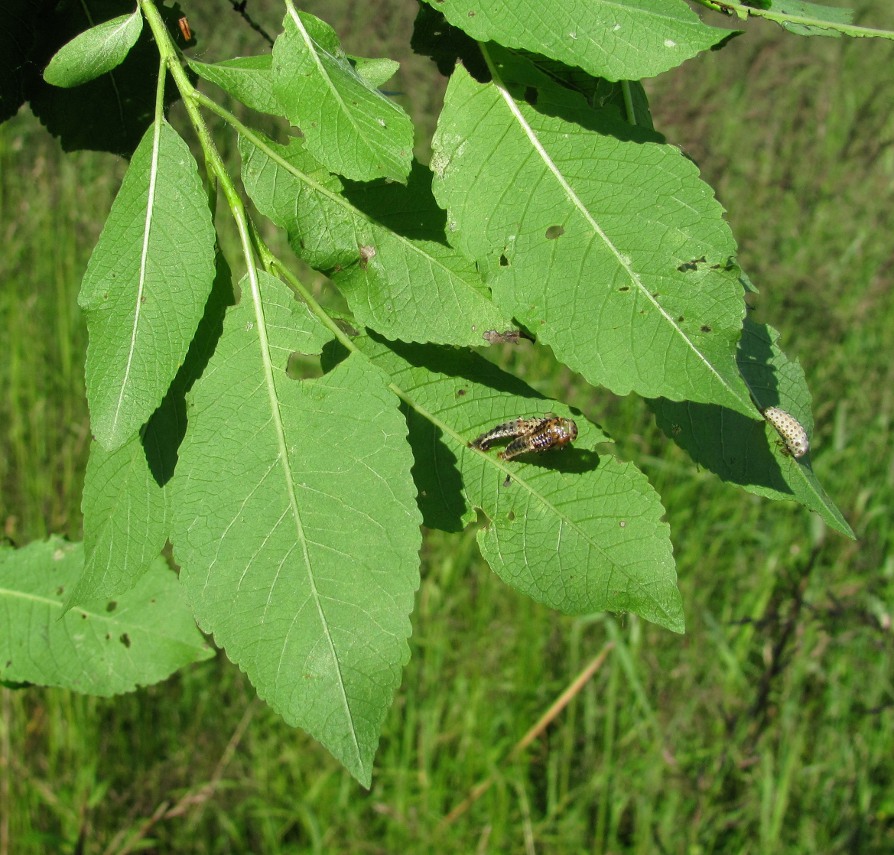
{"x": 675, "y": 430}
{"x": 624, "y": 288}
{"x": 125, "y": 639}
{"x": 460, "y": 393}
{"x": 472, "y": 13}
{"x": 554, "y": 232}
{"x": 83, "y": 615}
{"x": 531, "y": 95}
{"x": 510, "y": 516}
{"x": 111, "y": 606}
{"x": 60, "y": 591}
{"x": 108, "y": 636}
{"x": 366, "y": 253}
{"x": 687, "y": 266}
{"x": 680, "y": 319}
{"x": 506, "y": 337}
{"x": 346, "y": 328}
{"x": 705, "y": 328}
{"x": 142, "y": 298}
{"x": 504, "y": 262}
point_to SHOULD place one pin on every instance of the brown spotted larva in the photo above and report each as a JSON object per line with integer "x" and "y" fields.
{"x": 539, "y": 433}
{"x": 790, "y": 429}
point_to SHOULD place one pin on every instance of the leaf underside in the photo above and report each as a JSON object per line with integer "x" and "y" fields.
{"x": 609, "y": 249}
{"x": 416, "y": 290}
{"x": 146, "y": 285}
{"x": 296, "y": 527}
{"x": 348, "y": 124}
{"x": 619, "y": 40}
{"x": 103, "y": 647}
{"x": 576, "y": 530}
{"x": 750, "y": 453}
{"x": 95, "y": 51}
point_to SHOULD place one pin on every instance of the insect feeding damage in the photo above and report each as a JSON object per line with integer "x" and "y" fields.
{"x": 790, "y": 429}
{"x": 537, "y": 434}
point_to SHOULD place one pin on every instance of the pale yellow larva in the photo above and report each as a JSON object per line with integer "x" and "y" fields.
{"x": 790, "y": 429}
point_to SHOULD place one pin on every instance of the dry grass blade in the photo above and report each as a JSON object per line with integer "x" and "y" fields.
{"x": 543, "y": 722}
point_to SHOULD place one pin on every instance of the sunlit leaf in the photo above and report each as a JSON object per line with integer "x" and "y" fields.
{"x": 750, "y": 453}
{"x": 95, "y": 51}
{"x": 146, "y": 285}
{"x": 103, "y": 647}
{"x": 416, "y": 290}
{"x": 349, "y": 126}
{"x": 296, "y": 526}
{"x": 615, "y": 39}
{"x": 576, "y": 530}
{"x": 603, "y": 243}
{"x": 249, "y": 79}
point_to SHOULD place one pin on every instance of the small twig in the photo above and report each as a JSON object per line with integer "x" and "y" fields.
{"x": 239, "y": 8}
{"x": 743, "y": 10}
{"x": 545, "y": 720}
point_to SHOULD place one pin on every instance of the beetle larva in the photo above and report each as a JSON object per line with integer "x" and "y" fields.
{"x": 790, "y": 429}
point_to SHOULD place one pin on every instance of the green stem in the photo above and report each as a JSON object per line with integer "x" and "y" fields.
{"x": 282, "y": 271}
{"x": 250, "y": 240}
{"x": 171, "y": 59}
{"x": 744, "y": 12}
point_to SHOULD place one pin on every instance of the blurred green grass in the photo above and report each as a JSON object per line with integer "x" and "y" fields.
{"x": 768, "y": 728}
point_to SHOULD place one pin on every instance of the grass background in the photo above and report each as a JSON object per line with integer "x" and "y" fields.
{"x": 768, "y": 728}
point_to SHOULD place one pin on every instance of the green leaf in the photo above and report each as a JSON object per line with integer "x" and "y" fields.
{"x": 296, "y": 526}
{"x": 416, "y": 290}
{"x": 248, "y": 79}
{"x": 102, "y": 647}
{"x": 125, "y": 527}
{"x": 125, "y": 506}
{"x": 375, "y": 71}
{"x": 576, "y": 530}
{"x": 146, "y": 285}
{"x": 803, "y": 9}
{"x": 615, "y": 39}
{"x": 349, "y": 126}
{"x": 111, "y": 112}
{"x": 94, "y": 52}
{"x": 750, "y": 453}
{"x": 606, "y": 245}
